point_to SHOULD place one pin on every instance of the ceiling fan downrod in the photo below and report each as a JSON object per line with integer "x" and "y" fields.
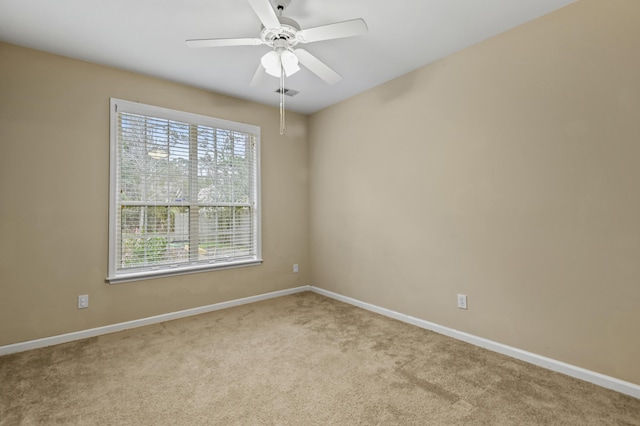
{"x": 281, "y": 5}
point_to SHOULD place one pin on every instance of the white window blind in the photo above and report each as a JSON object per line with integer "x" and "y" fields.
{"x": 184, "y": 192}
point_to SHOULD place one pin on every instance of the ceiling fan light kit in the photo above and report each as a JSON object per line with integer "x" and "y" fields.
{"x": 283, "y": 34}
{"x": 278, "y": 60}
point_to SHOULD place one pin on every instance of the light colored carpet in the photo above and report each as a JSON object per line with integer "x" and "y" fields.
{"x": 296, "y": 360}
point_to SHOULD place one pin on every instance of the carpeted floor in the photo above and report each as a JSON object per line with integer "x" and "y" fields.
{"x": 296, "y": 360}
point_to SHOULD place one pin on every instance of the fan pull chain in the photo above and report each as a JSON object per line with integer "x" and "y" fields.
{"x": 282, "y": 111}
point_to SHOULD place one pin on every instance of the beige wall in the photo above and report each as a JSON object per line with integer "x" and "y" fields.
{"x": 54, "y": 180}
{"x": 509, "y": 172}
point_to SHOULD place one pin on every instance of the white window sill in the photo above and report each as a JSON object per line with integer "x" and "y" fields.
{"x": 149, "y": 274}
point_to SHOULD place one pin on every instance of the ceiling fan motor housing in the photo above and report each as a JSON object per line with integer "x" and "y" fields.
{"x": 287, "y": 31}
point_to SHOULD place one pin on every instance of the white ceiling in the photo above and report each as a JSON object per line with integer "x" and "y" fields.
{"x": 147, "y": 36}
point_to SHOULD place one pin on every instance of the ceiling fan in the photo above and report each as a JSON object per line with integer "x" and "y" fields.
{"x": 283, "y": 34}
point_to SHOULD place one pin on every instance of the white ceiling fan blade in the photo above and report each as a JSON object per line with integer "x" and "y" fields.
{"x": 258, "y": 76}
{"x": 317, "y": 67}
{"x": 265, "y": 13}
{"x": 222, "y": 42}
{"x": 350, "y": 28}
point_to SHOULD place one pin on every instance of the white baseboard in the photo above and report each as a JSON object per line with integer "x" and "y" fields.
{"x": 92, "y": 332}
{"x": 548, "y": 363}
{"x": 608, "y": 382}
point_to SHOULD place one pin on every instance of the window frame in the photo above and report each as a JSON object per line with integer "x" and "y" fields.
{"x": 117, "y": 276}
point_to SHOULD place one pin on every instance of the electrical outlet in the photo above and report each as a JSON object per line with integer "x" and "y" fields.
{"x": 462, "y": 301}
{"x": 83, "y": 301}
{"x": 295, "y": 268}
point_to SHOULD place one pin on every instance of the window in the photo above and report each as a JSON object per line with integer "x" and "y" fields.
{"x": 184, "y": 193}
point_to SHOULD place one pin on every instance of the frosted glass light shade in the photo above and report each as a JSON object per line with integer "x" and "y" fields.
{"x": 271, "y": 63}
{"x": 289, "y": 62}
